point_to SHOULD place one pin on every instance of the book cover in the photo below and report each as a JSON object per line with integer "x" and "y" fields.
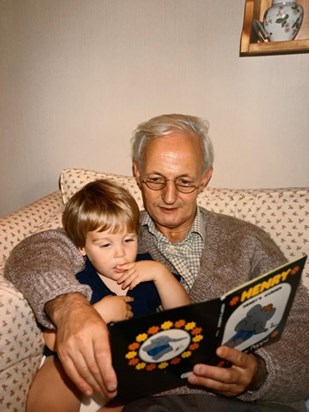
{"x": 157, "y": 352}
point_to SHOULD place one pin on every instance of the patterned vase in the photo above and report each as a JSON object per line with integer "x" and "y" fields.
{"x": 283, "y": 20}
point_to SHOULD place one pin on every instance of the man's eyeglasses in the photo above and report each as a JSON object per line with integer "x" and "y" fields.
{"x": 159, "y": 183}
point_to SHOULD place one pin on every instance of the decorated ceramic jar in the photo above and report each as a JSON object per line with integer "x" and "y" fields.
{"x": 283, "y": 20}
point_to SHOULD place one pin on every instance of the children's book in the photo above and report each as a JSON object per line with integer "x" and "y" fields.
{"x": 156, "y": 352}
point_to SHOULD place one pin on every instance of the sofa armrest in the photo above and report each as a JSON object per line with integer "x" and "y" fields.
{"x": 21, "y": 340}
{"x": 21, "y": 345}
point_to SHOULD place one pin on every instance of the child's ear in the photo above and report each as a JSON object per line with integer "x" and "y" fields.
{"x": 82, "y": 251}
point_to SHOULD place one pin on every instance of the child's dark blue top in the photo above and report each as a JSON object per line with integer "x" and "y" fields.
{"x": 146, "y": 296}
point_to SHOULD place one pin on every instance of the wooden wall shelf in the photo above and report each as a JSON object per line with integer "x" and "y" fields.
{"x": 251, "y": 45}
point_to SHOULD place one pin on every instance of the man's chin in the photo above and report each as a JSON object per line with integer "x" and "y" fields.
{"x": 168, "y": 223}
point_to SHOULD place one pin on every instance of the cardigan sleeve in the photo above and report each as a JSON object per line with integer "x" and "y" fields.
{"x": 42, "y": 267}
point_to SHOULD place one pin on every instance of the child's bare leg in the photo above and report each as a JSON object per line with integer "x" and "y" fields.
{"x": 52, "y": 391}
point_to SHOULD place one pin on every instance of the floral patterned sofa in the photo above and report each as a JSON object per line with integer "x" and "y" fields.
{"x": 283, "y": 213}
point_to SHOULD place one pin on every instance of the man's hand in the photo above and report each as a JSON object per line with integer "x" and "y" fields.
{"x": 50, "y": 337}
{"x": 227, "y": 381}
{"x": 83, "y": 344}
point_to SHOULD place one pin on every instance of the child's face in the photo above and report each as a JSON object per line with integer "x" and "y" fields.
{"x": 107, "y": 251}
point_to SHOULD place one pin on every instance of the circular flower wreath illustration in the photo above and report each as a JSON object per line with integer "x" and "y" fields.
{"x": 191, "y": 328}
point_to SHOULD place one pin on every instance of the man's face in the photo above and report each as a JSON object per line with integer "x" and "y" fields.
{"x": 171, "y": 157}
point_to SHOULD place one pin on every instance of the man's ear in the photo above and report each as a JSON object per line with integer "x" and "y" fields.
{"x": 206, "y": 179}
{"x": 137, "y": 174}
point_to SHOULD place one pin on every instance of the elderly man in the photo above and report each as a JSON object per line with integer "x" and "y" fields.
{"x": 172, "y": 163}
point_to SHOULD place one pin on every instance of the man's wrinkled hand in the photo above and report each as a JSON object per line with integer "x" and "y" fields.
{"x": 230, "y": 381}
{"x": 83, "y": 344}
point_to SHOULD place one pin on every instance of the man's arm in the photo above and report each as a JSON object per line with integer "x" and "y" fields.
{"x": 42, "y": 267}
{"x": 249, "y": 250}
{"x": 287, "y": 360}
{"x": 282, "y": 368}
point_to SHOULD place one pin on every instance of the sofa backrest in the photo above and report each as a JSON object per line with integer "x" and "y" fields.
{"x": 44, "y": 213}
{"x": 282, "y": 213}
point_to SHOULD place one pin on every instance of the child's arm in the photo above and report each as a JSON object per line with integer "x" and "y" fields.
{"x": 114, "y": 308}
{"x": 172, "y": 293}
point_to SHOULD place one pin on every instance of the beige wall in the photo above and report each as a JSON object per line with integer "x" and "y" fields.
{"x": 77, "y": 76}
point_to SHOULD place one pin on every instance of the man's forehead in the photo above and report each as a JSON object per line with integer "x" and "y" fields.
{"x": 177, "y": 145}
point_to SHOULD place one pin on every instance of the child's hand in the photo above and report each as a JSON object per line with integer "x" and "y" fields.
{"x": 142, "y": 271}
{"x": 172, "y": 293}
{"x": 114, "y": 308}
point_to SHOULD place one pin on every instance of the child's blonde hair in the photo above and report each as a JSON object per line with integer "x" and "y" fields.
{"x": 101, "y": 205}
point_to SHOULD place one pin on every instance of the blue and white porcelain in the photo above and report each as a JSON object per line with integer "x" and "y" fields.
{"x": 283, "y": 20}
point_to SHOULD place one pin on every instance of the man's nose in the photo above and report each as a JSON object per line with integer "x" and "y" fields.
{"x": 169, "y": 192}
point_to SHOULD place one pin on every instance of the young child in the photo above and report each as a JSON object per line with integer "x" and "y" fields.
{"x": 102, "y": 221}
